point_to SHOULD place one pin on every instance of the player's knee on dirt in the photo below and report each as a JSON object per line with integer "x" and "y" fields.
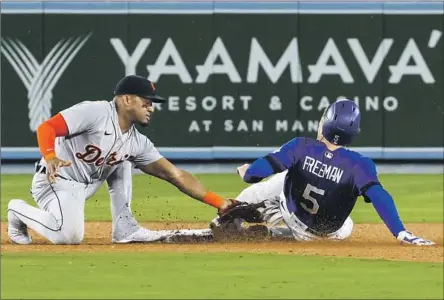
{"x": 76, "y": 238}
{"x": 68, "y": 236}
{"x": 67, "y": 240}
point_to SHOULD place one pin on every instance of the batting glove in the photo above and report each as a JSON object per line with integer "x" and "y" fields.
{"x": 408, "y": 238}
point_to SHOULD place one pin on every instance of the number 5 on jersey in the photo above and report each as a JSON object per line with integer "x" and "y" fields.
{"x": 307, "y": 195}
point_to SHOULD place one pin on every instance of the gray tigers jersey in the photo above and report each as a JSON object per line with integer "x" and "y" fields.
{"x": 95, "y": 144}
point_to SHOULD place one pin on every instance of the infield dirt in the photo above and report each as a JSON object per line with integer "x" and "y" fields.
{"x": 371, "y": 241}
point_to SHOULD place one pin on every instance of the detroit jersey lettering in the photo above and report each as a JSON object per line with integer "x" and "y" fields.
{"x": 322, "y": 186}
{"x": 96, "y": 146}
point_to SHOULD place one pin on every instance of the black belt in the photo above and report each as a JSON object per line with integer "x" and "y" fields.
{"x": 40, "y": 169}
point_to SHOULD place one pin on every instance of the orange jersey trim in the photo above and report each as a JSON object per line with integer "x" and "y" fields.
{"x": 47, "y": 133}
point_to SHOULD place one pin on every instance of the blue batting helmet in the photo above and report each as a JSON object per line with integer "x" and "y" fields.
{"x": 341, "y": 122}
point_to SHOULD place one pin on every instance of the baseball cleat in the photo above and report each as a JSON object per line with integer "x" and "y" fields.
{"x": 238, "y": 230}
{"x": 17, "y": 230}
{"x": 142, "y": 235}
{"x": 189, "y": 236}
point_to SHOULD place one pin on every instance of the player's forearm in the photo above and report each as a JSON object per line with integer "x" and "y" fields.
{"x": 47, "y": 133}
{"x": 385, "y": 206}
{"x": 191, "y": 186}
{"x": 258, "y": 170}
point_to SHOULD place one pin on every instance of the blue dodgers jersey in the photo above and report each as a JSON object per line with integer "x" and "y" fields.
{"x": 322, "y": 186}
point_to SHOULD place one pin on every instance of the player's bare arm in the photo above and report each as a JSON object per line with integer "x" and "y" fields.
{"x": 186, "y": 183}
{"x": 97, "y": 138}
{"x": 46, "y": 135}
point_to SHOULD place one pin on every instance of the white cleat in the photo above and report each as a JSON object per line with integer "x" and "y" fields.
{"x": 189, "y": 236}
{"x": 142, "y": 235}
{"x": 17, "y": 230}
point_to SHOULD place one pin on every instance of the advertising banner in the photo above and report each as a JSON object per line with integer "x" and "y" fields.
{"x": 240, "y": 79}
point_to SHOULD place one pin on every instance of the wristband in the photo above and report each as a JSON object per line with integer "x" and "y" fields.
{"x": 49, "y": 155}
{"x": 213, "y": 199}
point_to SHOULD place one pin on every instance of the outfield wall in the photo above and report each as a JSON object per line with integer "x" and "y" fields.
{"x": 230, "y": 168}
{"x": 241, "y": 77}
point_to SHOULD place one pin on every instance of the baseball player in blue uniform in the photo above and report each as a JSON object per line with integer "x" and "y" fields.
{"x": 317, "y": 183}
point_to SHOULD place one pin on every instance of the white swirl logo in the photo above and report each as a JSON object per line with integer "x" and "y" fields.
{"x": 40, "y": 79}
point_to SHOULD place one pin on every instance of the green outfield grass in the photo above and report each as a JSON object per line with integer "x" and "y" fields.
{"x": 419, "y": 198}
{"x": 220, "y": 275}
{"x": 216, "y": 275}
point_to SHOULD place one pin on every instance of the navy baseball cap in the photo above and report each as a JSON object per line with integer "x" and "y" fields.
{"x": 138, "y": 85}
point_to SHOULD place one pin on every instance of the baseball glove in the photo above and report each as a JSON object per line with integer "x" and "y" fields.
{"x": 231, "y": 224}
{"x": 241, "y": 210}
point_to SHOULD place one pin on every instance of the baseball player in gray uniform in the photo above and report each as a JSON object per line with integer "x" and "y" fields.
{"x": 91, "y": 143}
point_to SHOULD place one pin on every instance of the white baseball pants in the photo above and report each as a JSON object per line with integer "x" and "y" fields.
{"x": 275, "y": 212}
{"x": 60, "y": 216}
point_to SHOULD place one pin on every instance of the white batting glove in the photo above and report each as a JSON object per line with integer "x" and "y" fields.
{"x": 409, "y": 238}
{"x": 242, "y": 170}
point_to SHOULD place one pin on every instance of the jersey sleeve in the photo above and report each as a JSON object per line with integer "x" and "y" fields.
{"x": 274, "y": 162}
{"x": 286, "y": 156}
{"x": 365, "y": 175}
{"x": 146, "y": 152}
{"x": 85, "y": 115}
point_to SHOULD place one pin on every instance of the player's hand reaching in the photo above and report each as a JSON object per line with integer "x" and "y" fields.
{"x": 241, "y": 210}
{"x": 409, "y": 238}
{"x": 242, "y": 170}
{"x": 229, "y": 204}
{"x": 53, "y": 166}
